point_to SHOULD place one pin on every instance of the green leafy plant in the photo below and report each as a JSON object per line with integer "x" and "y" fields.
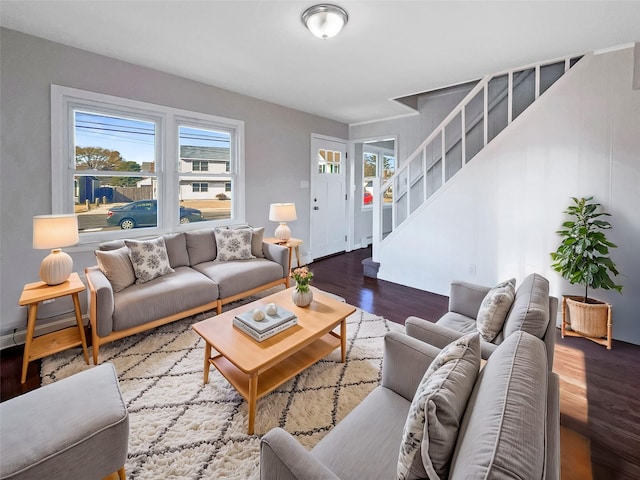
{"x": 583, "y": 255}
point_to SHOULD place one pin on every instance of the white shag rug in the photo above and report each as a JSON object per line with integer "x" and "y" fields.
{"x": 183, "y": 429}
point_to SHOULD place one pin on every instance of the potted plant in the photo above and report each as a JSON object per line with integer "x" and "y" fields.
{"x": 583, "y": 258}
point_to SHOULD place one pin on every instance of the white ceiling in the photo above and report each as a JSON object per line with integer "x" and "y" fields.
{"x": 388, "y": 49}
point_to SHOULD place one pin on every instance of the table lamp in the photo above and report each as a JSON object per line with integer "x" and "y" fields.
{"x": 283, "y": 213}
{"x": 55, "y": 232}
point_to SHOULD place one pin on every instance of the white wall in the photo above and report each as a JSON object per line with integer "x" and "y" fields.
{"x": 499, "y": 215}
{"x": 277, "y": 146}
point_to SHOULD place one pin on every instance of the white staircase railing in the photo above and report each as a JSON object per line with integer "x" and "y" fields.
{"x": 491, "y": 105}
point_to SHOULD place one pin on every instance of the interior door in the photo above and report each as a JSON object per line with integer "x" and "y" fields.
{"x": 328, "y": 196}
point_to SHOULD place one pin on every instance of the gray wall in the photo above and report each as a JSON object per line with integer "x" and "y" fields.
{"x": 277, "y": 147}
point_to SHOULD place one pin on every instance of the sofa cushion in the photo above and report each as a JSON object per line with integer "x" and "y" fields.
{"x": 502, "y": 434}
{"x": 530, "y": 309}
{"x": 494, "y": 309}
{"x": 257, "y": 236}
{"x": 111, "y": 245}
{"x": 163, "y": 296}
{"x": 237, "y": 277}
{"x": 149, "y": 258}
{"x": 201, "y": 246}
{"x": 176, "y": 244}
{"x": 233, "y": 244}
{"x": 365, "y": 443}
{"x": 431, "y": 427}
{"x": 459, "y": 323}
{"x": 116, "y": 266}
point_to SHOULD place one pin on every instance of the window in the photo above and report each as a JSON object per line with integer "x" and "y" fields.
{"x": 377, "y": 162}
{"x": 115, "y": 158}
{"x": 329, "y": 161}
{"x": 199, "y": 187}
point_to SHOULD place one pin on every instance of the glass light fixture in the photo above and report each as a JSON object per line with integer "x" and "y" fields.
{"x": 55, "y": 231}
{"x": 283, "y": 213}
{"x": 325, "y": 20}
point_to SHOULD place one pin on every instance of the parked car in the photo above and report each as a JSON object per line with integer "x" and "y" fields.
{"x": 368, "y": 198}
{"x": 144, "y": 213}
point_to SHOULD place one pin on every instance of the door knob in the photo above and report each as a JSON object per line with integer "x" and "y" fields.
{"x": 316, "y": 208}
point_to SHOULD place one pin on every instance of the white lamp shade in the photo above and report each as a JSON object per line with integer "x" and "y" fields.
{"x": 325, "y": 21}
{"x": 282, "y": 212}
{"x": 55, "y": 231}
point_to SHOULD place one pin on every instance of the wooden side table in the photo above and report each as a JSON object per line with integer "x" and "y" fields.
{"x": 54, "y": 342}
{"x": 292, "y": 244}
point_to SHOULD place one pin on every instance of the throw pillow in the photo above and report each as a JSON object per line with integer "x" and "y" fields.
{"x": 233, "y": 244}
{"x": 431, "y": 429}
{"x": 149, "y": 259}
{"x": 256, "y": 239}
{"x": 116, "y": 266}
{"x": 494, "y": 309}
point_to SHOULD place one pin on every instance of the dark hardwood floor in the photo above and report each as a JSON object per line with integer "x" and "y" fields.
{"x": 600, "y": 389}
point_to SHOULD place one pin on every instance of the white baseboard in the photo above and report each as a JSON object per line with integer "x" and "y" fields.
{"x": 18, "y": 338}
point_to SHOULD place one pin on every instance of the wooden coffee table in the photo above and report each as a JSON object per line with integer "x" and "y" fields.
{"x": 257, "y": 368}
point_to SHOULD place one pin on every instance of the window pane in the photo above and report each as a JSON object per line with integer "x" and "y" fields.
{"x": 113, "y": 143}
{"x": 370, "y": 164}
{"x": 102, "y": 204}
{"x": 388, "y": 167}
{"x": 205, "y": 195}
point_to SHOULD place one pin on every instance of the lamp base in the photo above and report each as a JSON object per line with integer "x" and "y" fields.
{"x": 283, "y": 232}
{"x": 56, "y": 267}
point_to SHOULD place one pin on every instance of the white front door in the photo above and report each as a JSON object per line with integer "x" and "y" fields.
{"x": 328, "y": 196}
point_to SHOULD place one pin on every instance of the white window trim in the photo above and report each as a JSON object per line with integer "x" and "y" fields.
{"x": 63, "y": 102}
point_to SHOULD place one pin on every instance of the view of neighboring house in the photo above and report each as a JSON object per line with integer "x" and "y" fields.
{"x": 209, "y": 169}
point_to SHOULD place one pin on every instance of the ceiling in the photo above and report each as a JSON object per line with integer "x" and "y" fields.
{"x": 388, "y": 49}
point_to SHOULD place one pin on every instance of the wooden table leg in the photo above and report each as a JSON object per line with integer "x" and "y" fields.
{"x": 564, "y": 313}
{"x": 207, "y": 364}
{"x": 78, "y": 310}
{"x": 343, "y": 339}
{"x": 298, "y": 256}
{"x": 253, "y": 394}
{"x": 31, "y": 326}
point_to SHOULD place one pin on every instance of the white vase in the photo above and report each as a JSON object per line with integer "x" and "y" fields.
{"x": 302, "y": 299}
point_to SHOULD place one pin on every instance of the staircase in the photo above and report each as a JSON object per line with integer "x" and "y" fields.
{"x": 489, "y": 108}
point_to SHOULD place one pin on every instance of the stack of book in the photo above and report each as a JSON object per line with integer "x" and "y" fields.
{"x": 268, "y": 327}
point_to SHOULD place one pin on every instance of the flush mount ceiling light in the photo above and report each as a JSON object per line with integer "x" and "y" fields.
{"x": 325, "y": 21}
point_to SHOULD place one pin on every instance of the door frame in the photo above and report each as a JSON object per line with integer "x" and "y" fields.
{"x": 347, "y": 185}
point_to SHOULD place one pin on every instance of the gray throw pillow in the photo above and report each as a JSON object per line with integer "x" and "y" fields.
{"x": 149, "y": 259}
{"x": 233, "y": 244}
{"x": 494, "y": 309}
{"x": 431, "y": 428}
{"x": 257, "y": 236}
{"x": 116, "y": 266}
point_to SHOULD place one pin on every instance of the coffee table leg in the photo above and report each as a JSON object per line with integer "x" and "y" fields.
{"x": 253, "y": 393}
{"x": 207, "y": 356}
{"x": 343, "y": 339}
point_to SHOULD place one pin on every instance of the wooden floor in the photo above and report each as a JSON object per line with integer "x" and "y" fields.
{"x": 600, "y": 389}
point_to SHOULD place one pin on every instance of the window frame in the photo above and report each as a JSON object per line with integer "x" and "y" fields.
{"x": 65, "y": 101}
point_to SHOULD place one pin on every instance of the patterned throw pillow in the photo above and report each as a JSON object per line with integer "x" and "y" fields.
{"x": 233, "y": 244}
{"x": 116, "y": 266}
{"x": 149, "y": 259}
{"x": 494, "y": 309}
{"x": 431, "y": 429}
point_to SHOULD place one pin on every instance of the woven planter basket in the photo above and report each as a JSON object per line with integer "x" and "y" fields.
{"x": 589, "y": 319}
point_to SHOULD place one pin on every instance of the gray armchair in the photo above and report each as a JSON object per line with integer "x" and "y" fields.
{"x": 533, "y": 311}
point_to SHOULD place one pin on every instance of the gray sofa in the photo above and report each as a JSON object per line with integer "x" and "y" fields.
{"x": 509, "y": 429}
{"x": 199, "y": 282}
{"x": 532, "y": 311}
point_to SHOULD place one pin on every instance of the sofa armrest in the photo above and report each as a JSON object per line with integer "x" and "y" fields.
{"x": 278, "y": 254}
{"x": 552, "y": 457}
{"x": 465, "y": 298}
{"x": 430, "y": 332}
{"x": 283, "y": 458}
{"x": 404, "y": 361}
{"x": 101, "y": 302}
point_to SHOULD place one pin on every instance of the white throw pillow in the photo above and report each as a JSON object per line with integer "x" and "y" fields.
{"x": 149, "y": 259}
{"x": 431, "y": 429}
{"x": 233, "y": 244}
{"x": 494, "y": 309}
{"x": 116, "y": 266}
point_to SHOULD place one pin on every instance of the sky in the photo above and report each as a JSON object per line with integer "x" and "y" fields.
{"x": 134, "y": 138}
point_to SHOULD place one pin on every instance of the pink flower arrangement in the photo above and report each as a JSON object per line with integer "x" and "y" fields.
{"x": 303, "y": 277}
